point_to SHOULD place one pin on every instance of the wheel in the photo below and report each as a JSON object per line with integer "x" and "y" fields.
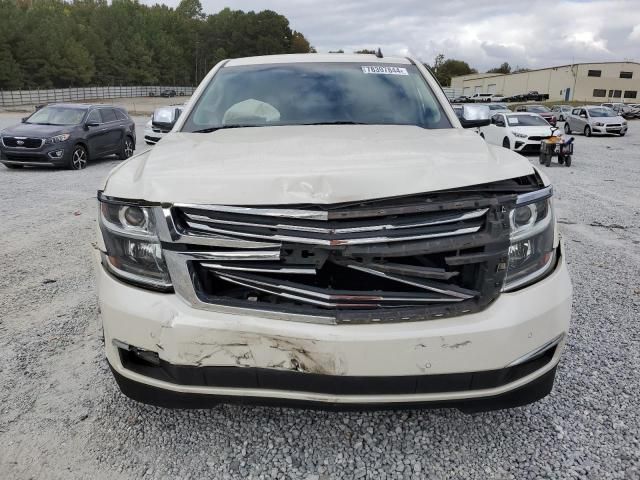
{"x": 622, "y": 134}
{"x": 548, "y": 162}
{"x": 567, "y": 128}
{"x": 79, "y": 158}
{"x": 567, "y": 161}
{"x": 561, "y": 159}
{"x": 126, "y": 148}
{"x": 561, "y": 118}
{"x": 506, "y": 144}
{"x": 587, "y": 131}
{"x": 12, "y": 167}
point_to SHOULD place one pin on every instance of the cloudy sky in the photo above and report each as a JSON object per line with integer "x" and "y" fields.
{"x": 484, "y": 33}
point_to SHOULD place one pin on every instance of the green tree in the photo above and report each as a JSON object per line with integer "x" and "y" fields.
{"x": 366, "y": 50}
{"x": 504, "y": 68}
{"x": 444, "y": 70}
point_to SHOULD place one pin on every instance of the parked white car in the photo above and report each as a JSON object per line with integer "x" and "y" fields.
{"x": 518, "y": 131}
{"x": 481, "y": 97}
{"x": 160, "y": 123}
{"x": 357, "y": 246}
{"x": 497, "y": 97}
{"x": 595, "y": 119}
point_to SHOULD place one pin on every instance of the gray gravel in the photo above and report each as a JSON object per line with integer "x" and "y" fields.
{"x": 61, "y": 415}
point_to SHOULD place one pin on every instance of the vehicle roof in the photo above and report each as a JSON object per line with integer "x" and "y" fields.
{"x": 316, "y": 58}
{"x": 83, "y": 105}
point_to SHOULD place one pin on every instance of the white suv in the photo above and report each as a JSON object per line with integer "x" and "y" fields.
{"x": 481, "y": 97}
{"x": 321, "y": 229}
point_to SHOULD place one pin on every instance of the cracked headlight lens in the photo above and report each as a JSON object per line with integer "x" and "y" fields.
{"x": 531, "y": 253}
{"x": 134, "y": 253}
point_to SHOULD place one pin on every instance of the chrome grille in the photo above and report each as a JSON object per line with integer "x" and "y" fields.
{"x": 385, "y": 260}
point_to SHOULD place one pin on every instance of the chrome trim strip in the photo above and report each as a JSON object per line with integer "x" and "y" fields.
{"x": 291, "y": 270}
{"x": 370, "y": 228}
{"x": 336, "y": 242}
{"x": 534, "y": 196}
{"x": 251, "y": 283}
{"x": 237, "y": 255}
{"x": 543, "y": 348}
{"x": 267, "y": 212}
{"x": 459, "y": 296}
{"x": 169, "y": 233}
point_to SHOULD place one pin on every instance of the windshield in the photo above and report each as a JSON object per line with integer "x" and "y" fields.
{"x": 497, "y": 106}
{"x": 526, "y": 121}
{"x": 602, "y": 112}
{"x": 316, "y": 93}
{"x": 537, "y": 109}
{"x": 57, "y": 116}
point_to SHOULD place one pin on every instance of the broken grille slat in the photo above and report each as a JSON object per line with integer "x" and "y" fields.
{"x": 295, "y": 270}
{"x": 332, "y": 297}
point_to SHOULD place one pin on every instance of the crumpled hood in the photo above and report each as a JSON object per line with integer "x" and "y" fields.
{"x": 310, "y": 164}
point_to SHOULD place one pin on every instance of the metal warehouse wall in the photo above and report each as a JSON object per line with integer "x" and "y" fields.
{"x": 568, "y": 82}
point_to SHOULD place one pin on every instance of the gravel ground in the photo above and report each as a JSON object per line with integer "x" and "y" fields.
{"x": 61, "y": 415}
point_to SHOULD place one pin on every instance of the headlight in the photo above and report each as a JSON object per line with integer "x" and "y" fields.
{"x": 134, "y": 253}
{"x": 57, "y": 139}
{"x": 598, "y": 124}
{"x": 531, "y": 253}
{"x": 518, "y": 134}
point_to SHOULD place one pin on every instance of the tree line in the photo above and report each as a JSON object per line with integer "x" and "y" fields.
{"x": 445, "y": 69}
{"x": 56, "y": 43}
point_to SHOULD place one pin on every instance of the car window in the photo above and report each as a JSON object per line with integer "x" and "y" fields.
{"x": 108, "y": 115}
{"x": 602, "y": 112}
{"x": 120, "y": 115}
{"x": 317, "y": 93}
{"x": 526, "y": 121}
{"x": 55, "y": 115}
{"x": 94, "y": 117}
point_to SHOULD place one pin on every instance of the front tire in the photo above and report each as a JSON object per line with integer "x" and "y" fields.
{"x": 126, "y": 148}
{"x": 567, "y": 161}
{"x": 567, "y": 128}
{"x": 79, "y": 158}
{"x": 587, "y": 131}
{"x": 623, "y": 134}
{"x": 506, "y": 143}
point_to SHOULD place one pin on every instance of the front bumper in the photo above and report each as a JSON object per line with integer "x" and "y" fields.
{"x": 609, "y": 129}
{"x": 524, "y": 145}
{"x": 215, "y": 357}
{"x": 44, "y": 156}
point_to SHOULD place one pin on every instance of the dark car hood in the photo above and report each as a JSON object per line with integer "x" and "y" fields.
{"x": 33, "y": 130}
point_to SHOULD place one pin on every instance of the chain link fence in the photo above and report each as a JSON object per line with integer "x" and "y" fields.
{"x": 15, "y": 98}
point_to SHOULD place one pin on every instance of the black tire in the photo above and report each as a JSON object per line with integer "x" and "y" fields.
{"x": 587, "y": 131}
{"x": 561, "y": 118}
{"x": 548, "y": 158}
{"x": 127, "y": 148}
{"x": 561, "y": 159}
{"x": 622, "y": 134}
{"x": 506, "y": 144}
{"x": 79, "y": 158}
{"x": 12, "y": 167}
{"x": 567, "y": 128}
{"x": 567, "y": 161}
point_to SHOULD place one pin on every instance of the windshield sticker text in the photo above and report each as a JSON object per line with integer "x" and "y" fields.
{"x": 385, "y": 70}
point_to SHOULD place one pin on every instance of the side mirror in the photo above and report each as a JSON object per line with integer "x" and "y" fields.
{"x": 475, "y": 116}
{"x": 24, "y": 119}
{"x": 165, "y": 118}
{"x": 583, "y": 115}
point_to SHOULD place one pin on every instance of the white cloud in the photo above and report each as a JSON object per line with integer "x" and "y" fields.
{"x": 484, "y": 33}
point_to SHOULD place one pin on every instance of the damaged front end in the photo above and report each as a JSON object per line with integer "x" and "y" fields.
{"x": 389, "y": 260}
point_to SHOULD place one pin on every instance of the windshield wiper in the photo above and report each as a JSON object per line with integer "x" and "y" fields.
{"x": 224, "y": 127}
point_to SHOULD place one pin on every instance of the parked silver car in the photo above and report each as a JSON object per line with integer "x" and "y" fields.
{"x": 594, "y": 119}
{"x": 561, "y": 111}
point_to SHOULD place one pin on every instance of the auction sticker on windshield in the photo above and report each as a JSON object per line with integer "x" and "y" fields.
{"x": 385, "y": 70}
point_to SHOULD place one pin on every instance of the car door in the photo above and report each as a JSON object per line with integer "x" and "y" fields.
{"x": 113, "y": 130}
{"x": 96, "y": 135}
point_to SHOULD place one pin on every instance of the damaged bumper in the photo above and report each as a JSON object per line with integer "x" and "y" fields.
{"x": 163, "y": 351}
